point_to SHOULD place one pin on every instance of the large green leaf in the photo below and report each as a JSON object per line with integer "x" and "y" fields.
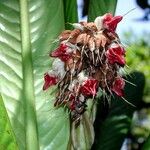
{"x": 146, "y": 145}
{"x": 28, "y": 27}
{"x": 7, "y": 140}
{"x": 100, "y": 7}
{"x": 111, "y": 132}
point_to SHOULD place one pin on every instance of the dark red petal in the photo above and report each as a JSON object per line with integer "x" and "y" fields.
{"x": 118, "y": 87}
{"x": 61, "y": 53}
{"x": 65, "y": 57}
{"x": 49, "y": 81}
{"x": 89, "y": 88}
{"x": 116, "y": 59}
{"x": 72, "y": 106}
{"x": 119, "y": 50}
{"x": 116, "y": 55}
{"x": 111, "y": 24}
{"x": 108, "y": 17}
{"x": 72, "y": 102}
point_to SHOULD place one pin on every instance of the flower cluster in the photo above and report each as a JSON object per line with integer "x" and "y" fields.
{"x": 87, "y": 59}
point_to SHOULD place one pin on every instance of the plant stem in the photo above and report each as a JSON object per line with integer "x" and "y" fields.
{"x": 28, "y": 87}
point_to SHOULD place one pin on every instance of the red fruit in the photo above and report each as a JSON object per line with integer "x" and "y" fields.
{"x": 61, "y": 53}
{"x": 89, "y": 87}
{"x": 49, "y": 81}
{"x": 110, "y": 22}
{"x": 116, "y": 55}
{"x": 118, "y": 86}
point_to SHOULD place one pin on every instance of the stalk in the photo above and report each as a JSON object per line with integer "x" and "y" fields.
{"x": 28, "y": 87}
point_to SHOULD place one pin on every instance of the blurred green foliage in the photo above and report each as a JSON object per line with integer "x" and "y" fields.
{"x": 138, "y": 57}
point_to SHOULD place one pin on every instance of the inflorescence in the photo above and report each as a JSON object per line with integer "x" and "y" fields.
{"x": 87, "y": 59}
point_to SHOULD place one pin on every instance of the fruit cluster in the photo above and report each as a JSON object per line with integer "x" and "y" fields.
{"x": 87, "y": 59}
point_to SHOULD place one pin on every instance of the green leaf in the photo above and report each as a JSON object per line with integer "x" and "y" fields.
{"x": 100, "y": 7}
{"x": 70, "y": 12}
{"x": 146, "y": 145}
{"x": 27, "y": 29}
{"x": 7, "y": 140}
{"x": 111, "y": 132}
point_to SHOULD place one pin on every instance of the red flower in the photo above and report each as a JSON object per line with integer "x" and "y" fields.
{"x": 49, "y": 81}
{"x": 61, "y": 53}
{"x": 116, "y": 55}
{"x": 110, "y": 22}
{"x": 118, "y": 86}
{"x": 89, "y": 87}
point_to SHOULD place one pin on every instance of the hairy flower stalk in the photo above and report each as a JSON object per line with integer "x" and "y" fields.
{"x": 88, "y": 58}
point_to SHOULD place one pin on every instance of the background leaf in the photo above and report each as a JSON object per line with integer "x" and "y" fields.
{"x": 100, "y": 7}
{"x": 46, "y": 22}
{"x": 111, "y": 132}
{"x": 70, "y": 12}
{"x": 7, "y": 140}
{"x": 146, "y": 145}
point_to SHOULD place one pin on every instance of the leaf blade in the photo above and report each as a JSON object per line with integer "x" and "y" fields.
{"x": 7, "y": 140}
{"x": 100, "y": 7}
{"x": 44, "y": 28}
